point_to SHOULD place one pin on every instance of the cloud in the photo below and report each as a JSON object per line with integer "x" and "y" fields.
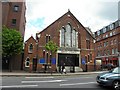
{"x": 108, "y": 10}
{"x": 39, "y": 22}
{"x": 92, "y": 13}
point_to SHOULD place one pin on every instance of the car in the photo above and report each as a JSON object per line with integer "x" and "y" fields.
{"x": 110, "y": 78}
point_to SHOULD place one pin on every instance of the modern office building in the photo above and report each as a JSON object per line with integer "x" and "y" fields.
{"x": 107, "y": 46}
{"x": 13, "y": 16}
{"x": 75, "y": 42}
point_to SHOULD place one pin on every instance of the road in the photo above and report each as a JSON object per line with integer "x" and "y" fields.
{"x": 77, "y": 81}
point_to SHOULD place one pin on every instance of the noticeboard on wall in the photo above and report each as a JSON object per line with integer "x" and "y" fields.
{"x": 83, "y": 61}
{"x": 53, "y": 61}
{"x": 42, "y": 61}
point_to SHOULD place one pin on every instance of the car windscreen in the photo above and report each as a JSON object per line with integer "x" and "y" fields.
{"x": 116, "y": 70}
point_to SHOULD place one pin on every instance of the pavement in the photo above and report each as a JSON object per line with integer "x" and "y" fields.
{"x": 36, "y": 74}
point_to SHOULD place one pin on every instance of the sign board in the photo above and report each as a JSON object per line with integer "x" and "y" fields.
{"x": 53, "y": 61}
{"x": 42, "y": 61}
{"x": 83, "y": 61}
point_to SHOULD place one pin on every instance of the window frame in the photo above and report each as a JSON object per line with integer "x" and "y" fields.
{"x": 111, "y": 33}
{"x": 27, "y": 62}
{"x": 111, "y": 26}
{"x": 113, "y": 51}
{"x": 62, "y": 38}
{"x": 16, "y": 8}
{"x": 29, "y": 48}
{"x": 68, "y": 32}
{"x": 98, "y": 32}
{"x": 104, "y": 30}
{"x": 14, "y": 21}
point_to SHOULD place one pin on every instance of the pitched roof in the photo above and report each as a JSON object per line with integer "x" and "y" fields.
{"x": 30, "y": 38}
{"x": 63, "y": 16}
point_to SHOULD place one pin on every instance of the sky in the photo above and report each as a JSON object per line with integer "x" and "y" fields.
{"x": 94, "y": 14}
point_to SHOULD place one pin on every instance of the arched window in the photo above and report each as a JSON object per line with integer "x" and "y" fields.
{"x": 76, "y": 39}
{"x": 27, "y": 62}
{"x": 68, "y": 35}
{"x": 30, "y": 48}
{"x": 62, "y": 37}
{"x": 73, "y": 38}
{"x": 47, "y": 58}
{"x": 44, "y": 54}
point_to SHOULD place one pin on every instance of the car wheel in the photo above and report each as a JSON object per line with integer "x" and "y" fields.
{"x": 116, "y": 85}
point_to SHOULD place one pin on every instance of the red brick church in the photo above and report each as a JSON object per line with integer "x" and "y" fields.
{"x": 75, "y": 42}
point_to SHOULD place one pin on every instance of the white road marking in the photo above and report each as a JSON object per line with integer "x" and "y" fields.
{"x": 39, "y": 77}
{"x": 18, "y": 86}
{"x": 42, "y": 81}
{"x": 76, "y": 83}
{"x": 78, "y": 78}
{"x": 86, "y": 77}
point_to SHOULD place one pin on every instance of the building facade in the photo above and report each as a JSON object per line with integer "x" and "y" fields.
{"x": 31, "y": 48}
{"x": 13, "y": 16}
{"x": 75, "y": 42}
{"x": 107, "y": 46}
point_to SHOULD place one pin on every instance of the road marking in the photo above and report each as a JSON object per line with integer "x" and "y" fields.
{"x": 42, "y": 81}
{"x": 18, "y": 86}
{"x": 79, "y": 78}
{"x": 76, "y": 84}
{"x": 39, "y": 77}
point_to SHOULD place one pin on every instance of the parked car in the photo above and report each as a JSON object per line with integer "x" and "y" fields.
{"x": 110, "y": 78}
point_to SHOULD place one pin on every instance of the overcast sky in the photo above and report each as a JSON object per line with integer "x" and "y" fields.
{"x": 91, "y": 13}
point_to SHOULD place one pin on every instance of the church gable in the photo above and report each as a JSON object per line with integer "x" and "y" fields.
{"x": 67, "y": 18}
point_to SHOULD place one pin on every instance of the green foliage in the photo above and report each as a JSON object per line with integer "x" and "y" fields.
{"x": 12, "y": 42}
{"x": 51, "y": 46}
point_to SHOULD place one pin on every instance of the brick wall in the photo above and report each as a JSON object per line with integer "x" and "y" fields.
{"x": 54, "y": 31}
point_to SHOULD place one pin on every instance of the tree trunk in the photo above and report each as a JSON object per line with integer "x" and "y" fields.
{"x": 10, "y": 64}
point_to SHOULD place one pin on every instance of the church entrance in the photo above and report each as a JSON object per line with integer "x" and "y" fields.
{"x": 70, "y": 60}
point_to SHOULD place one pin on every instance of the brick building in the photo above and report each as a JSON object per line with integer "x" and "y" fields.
{"x": 107, "y": 44}
{"x": 75, "y": 42}
{"x": 13, "y": 16}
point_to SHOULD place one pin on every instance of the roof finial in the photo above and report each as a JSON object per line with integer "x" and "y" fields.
{"x": 68, "y": 10}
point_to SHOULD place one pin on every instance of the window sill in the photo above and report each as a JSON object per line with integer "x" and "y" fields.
{"x": 27, "y": 66}
{"x": 30, "y": 52}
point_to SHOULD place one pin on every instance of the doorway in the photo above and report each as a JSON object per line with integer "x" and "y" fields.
{"x": 34, "y": 64}
{"x": 70, "y": 60}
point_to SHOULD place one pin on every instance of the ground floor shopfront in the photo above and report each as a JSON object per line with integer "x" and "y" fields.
{"x": 105, "y": 60}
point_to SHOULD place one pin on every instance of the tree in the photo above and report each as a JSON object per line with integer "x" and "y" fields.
{"x": 52, "y": 47}
{"x": 12, "y": 44}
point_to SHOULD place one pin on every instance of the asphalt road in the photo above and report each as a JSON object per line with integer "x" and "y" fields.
{"x": 77, "y": 81}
